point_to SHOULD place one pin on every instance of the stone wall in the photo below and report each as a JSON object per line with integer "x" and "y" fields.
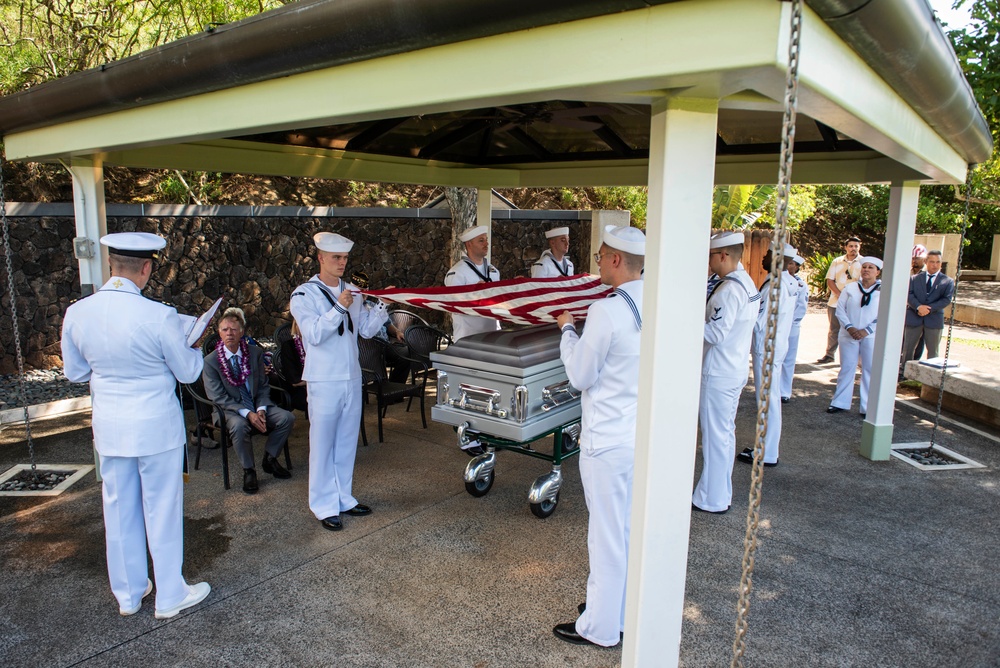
{"x": 254, "y": 259}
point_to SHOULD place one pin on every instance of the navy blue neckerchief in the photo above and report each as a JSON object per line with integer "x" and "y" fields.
{"x": 326, "y": 293}
{"x": 485, "y": 278}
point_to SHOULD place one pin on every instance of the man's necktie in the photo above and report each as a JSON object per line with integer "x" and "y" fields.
{"x": 930, "y": 283}
{"x": 234, "y": 363}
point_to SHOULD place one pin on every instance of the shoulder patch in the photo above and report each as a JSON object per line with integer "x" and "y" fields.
{"x": 297, "y": 294}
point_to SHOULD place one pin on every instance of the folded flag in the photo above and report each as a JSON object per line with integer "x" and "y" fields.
{"x": 519, "y": 301}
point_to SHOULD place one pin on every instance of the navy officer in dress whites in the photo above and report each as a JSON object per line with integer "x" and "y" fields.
{"x": 603, "y": 364}
{"x": 473, "y": 267}
{"x": 786, "y": 310}
{"x": 133, "y": 351}
{"x": 235, "y": 377}
{"x": 331, "y": 317}
{"x": 730, "y": 316}
{"x": 554, "y": 262}
{"x": 857, "y": 311}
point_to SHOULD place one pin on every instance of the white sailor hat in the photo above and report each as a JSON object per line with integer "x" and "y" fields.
{"x": 627, "y": 239}
{"x": 726, "y": 239}
{"x": 557, "y": 232}
{"x": 332, "y": 243}
{"x": 790, "y": 251}
{"x": 799, "y": 260}
{"x": 134, "y": 244}
{"x": 473, "y": 232}
{"x": 871, "y": 259}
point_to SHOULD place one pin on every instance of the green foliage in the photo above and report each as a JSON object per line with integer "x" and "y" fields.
{"x": 634, "y": 199}
{"x": 45, "y": 39}
{"x": 738, "y": 207}
{"x": 818, "y": 265}
{"x": 801, "y": 207}
{"x": 189, "y": 187}
{"x": 986, "y": 344}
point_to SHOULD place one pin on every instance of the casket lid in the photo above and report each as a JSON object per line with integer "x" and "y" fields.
{"x": 512, "y": 348}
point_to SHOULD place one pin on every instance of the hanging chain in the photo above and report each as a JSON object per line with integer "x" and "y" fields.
{"x": 777, "y": 266}
{"x": 951, "y": 320}
{"x": 13, "y": 315}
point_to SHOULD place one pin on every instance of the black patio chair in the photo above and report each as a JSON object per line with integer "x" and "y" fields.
{"x": 196, "y": 391}
{"x": 401, "y": 319}
{"x": 371, "y": 353}
{"x": 423, "y": 340}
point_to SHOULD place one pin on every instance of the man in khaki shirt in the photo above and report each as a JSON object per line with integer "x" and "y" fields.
{"x": 844, "y": 270}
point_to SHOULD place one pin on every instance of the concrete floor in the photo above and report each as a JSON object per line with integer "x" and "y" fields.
{"x": 860, "y": 563}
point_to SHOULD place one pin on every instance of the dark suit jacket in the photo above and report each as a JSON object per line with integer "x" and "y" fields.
{"x": 938, "y": 299}
{"x": 221, "y": 392}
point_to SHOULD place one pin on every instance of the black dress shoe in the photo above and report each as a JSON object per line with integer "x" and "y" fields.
{"x": 834, "y": 409}
{"x": 568, "y": 633}
{"x": 785, "y": 400}
{"x": 580, "y": 608}
{"x": 864, "y": 415}
{"x": 825, "y": 359}
{"x": 332, "y": 523}
{"x": 271, "y": 465}
{"x": 359, "y": 510}
{"x": 250, "y": 481}
{"x": 747, "y": 458}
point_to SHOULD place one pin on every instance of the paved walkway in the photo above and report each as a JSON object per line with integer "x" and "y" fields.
{"x": 860, "y": 563}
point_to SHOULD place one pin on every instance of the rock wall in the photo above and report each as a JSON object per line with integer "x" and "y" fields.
{"x": 254, "y": 262}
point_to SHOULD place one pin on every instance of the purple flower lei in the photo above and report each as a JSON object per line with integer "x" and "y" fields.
{"x": 227, "y": 372}
{"x": 300, "y": 348}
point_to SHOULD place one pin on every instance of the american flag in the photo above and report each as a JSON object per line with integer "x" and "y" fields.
{"x": 519, "y": 301}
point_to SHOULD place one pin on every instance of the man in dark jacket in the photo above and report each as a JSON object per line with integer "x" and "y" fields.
{"x": 930, "y": 292}
{"x": 234, "y": 377}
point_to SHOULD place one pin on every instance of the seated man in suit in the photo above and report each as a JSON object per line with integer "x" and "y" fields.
{"x": 235, "y": 378}
{"x": 930, "y": 292}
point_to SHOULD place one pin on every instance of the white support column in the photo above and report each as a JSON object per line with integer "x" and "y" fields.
{"x": 484, "y": 214}
{"x": 876, "y": 431}
{"x": 91, "y": 223}
{"x": 678, "y": 225}
{"x": 599, "y": 218}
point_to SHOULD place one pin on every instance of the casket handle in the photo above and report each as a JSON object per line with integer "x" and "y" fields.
{"x": 558, "y": 394}
{"x": 483, "y": 399}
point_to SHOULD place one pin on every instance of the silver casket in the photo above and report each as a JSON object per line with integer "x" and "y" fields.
{"x": 510, "y": 384}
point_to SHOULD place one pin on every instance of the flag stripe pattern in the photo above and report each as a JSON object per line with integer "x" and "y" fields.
{"x": 519, "y": 301}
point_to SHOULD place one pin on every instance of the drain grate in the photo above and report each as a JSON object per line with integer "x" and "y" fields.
{"x": 53, "y": 479}
{"x": 939, "y": 459}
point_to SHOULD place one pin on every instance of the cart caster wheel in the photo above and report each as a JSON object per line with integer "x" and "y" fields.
{"x": 480, "y": 486}
{"x": 545, "y": 508}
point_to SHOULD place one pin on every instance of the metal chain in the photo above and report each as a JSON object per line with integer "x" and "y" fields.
{"x": 777, "y": 266}
{"x": 13, "y": 315}
{"x": 951, "y": 320}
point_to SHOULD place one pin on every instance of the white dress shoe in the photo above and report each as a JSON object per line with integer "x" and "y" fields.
{"x": 131, "y": 611}
{"x": 196, "y": 594}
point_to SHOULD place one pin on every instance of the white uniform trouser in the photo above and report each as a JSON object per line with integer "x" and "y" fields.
{"x": 144, "y": 505}
{"x": 607, "y": 485}
{"x": 717, "y": 414}
{"x": 773, "y": 439}
{"x": 850, "y": 351}
{"x": 334, "y": 422}
{"x": 788, "y": 364}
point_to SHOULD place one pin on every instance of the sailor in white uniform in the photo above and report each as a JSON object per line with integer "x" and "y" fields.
{"x": 330, "y": 315}
{"x": 603, "y": 364}
{"x": 801, "y": 307}
{"x": 729, "y": 320}
{"x": 554, "y": 262}
{"x": 473, "y": 267}
{"x": 786, "y": 310}
{"x": 133, "y": 351}
{"x": 857, "y": 311}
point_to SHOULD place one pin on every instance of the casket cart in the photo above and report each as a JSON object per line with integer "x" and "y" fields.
{"x": 507, "y": 389}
